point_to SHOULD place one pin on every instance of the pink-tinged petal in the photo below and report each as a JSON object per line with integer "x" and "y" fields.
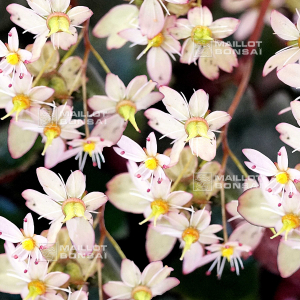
{"x": 94, "y": 200}
{"x": 28, "y": 225}
{"x": 151, "y": 18}
{"x": 25, "y": 18}
{"x": 60, "y": 5}
{"x": 63, "y": 40}
{"x": 188, "y": 51}
{"x": 24, "y": 55}
{"x": 235, "y": 7}
{"x": 163, "y": 160}
{"x": 231, "y": 208}
{"x": 182, "y": 30}
{"x": 23, "y": 86}
{"x": 37, "y": 271}
{"x": 69, "y": 132}
{"x": 54, "y": 153}
{"x": 82, "y": 235}
{"x": 133, "y": 35}
{"x": 294, "y": 174}
{"x": 42, "y": 204}
{"x": 79, "y": 295}
{"x": 149, "y": 100}
{"x": 217, "y": 119}
{"x": 247, "y": 24}
{"x": 191, "y": 258}
{"x": 131, "y": 149}
{"x": 79, "y": 14}
{"x": 3, "y": 50}
{"x": 144, "y": 91}
{"x": 288, "y": 56}
{"x": 295, "y": 106}
{"x": 111, "y": 129}
{"x": 259, "y": 163}
{"x": 117, "y": 19}
{"x": 114, "y": 87}
{"x": 178, "y": 221}
{"x": 130, "y": 273}
{"x": 150, "y": 271}
{"x": 40, "y": 93}
{"x": 176, "y": 150}
{"x": 211, "y": 229}
{"x": 166, "y": 244}
{"x": 51, "y": 296}
{"x": 54, "y": 229}
{"x": 179, "y": 198}
{"x": 119, "y": 194}
{"x": 247, "y": 234}
{"x": 208, "y": 65}
{"x": 62, "y": 115}
{"x": 289, "y": 134}
{"x": 38, "y": 44}
{"x": 75, "y": 184}
{"x": 201, "y": 219}
{"x": 288, "y": 260}
{"x": 250, "y": 183}
{"x": 170, "y": 22}
{"x": 198, "y": 104}
{"x": 56, "y": 279}
{"x": 224, "y": 27}
{"x": 135, "y": 85}
{"x": 207, "y": 259}
{"x": 164, "y": 286}
{"x": 9, "y": 231}
{"x": 164, "y": 123}
{"x": 102, "y": 104}
{"x": 250, "y": 207}
{"x": 171, "y": 45}
{"x": 13, "y": 40}
{"x": 203, "y": 147}
{"x": 159, "y": 277}
{"x": 283, "y": 27}
{"x": 51, "y": 184}
{"x": 42, "y": 7}
{"x": 282, "y": 159}
{"x": 161, "y": 190}
{"x": 118, "y": 290}
{"x": 200, "y": 16}
{"x": 19, "y": 140}
{"x": 225, "y": 56}
{"x": 175, "y": 104}
{"x": 159, "y": 66}
{"x": 151, "y": 144}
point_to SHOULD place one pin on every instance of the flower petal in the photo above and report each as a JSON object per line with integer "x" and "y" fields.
{"x": 28, "y": 225}
{"x": 130, "y": 273}
{"x": 79, "y": 14}
{"x": 164, "y": 286}
{"x": 224, "y": 27}
{"x": 204, "y": 147}
{"x": 75, "y": 185}
{"x": 114, "y": 87}
{"x": 56, "y": 279}
{"x": 289, "y": 134}
{"x": 200, "y": 16}
{"x": 117, "y": 290}
{"x": 132, "y": 150}
{"x": 9, "y": 231}
{"x": 217, "y": 119}
{"x": 192, "y": 257}
{"x": 198, "y": 104}
{"x": 94, "y": 200}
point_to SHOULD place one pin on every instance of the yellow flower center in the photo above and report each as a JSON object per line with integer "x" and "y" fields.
{"x": 51, "y": 131}
{"x": 36, "y": 288}
{"x": 151, "y": 163}
{"x": 127, "y": 109}
{"x": 201, "y": 35}
{"x": 13, "y": 58}
{"x": 89, "y": 147}
{"x": 159, "y": 207}
{"x": 227, "y": 252}
{"x": 196, "y": 127}
{"x": 20, "y": 103}
{"x": 190, "y": 236}
{"x": 289, "y": 222}
{"x": 156, "y": 41}
{"x": 58, "y": 22}
{"x": 141, "y": 293}
{"x": 282, "y": 178}
{"x": 28, "y": 244}
{"x": 72, "y": 208}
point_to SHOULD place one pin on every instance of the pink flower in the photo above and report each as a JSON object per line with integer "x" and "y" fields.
{"x": 49, "y": 18}
{"x": 119, "y": 18}
{"x": 202, "y": 41}
{"x": 152, "y": 163}
{"x": 289, "y": 74}
{"x": 283, "y": 177}
{"x": 188, "y": 122}
{"x": 141, "y": 286}
{"x": 159, "y": 65}
{"x": 123, "y": 103}
{"x": 286, "y": 30}
{"x": 18, "y": 95}
{"x": 66, "y": 203}
{"x": 35, "y": 283}
{"x": 14, "y": 59}
{"x": 29, "y": 244}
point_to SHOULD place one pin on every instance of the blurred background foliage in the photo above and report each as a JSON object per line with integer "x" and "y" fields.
{"x": 253, "y": 126}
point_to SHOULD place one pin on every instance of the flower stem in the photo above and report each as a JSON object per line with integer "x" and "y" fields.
{"x": 100, "y": 60}
{"x": 181, "y": 174}
{"x": 199, "y": 3}
{"x": 38, "y": 77}
{"x": 238, "y": 163}
{"x": 115, "y": 245}
{"x": 224, "y": 219}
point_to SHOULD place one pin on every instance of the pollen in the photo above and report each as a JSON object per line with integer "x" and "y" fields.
{"x": 13, "y": 58}
{"x": 58, "y": 22}
{"x": 159, "y": 207}
{"x": 73, "y": 207}
{"x": 190, "y": 235}
{"x": 51, "y": 131}
{"x": 227, "y": 252}
{"x": 141, "y": 293}
{"x": 282, "y": 178}
{"x": 201, "y": 35}
{"x": 20, "y": 102}
{"x": 89, "y": 147}
{"x": 151, "y": 163}
{"x": 36, "y": 288}
{"x": 196, "y": 127}
{"x": 28, "y": 244}
{"x": 127, "y": 109}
